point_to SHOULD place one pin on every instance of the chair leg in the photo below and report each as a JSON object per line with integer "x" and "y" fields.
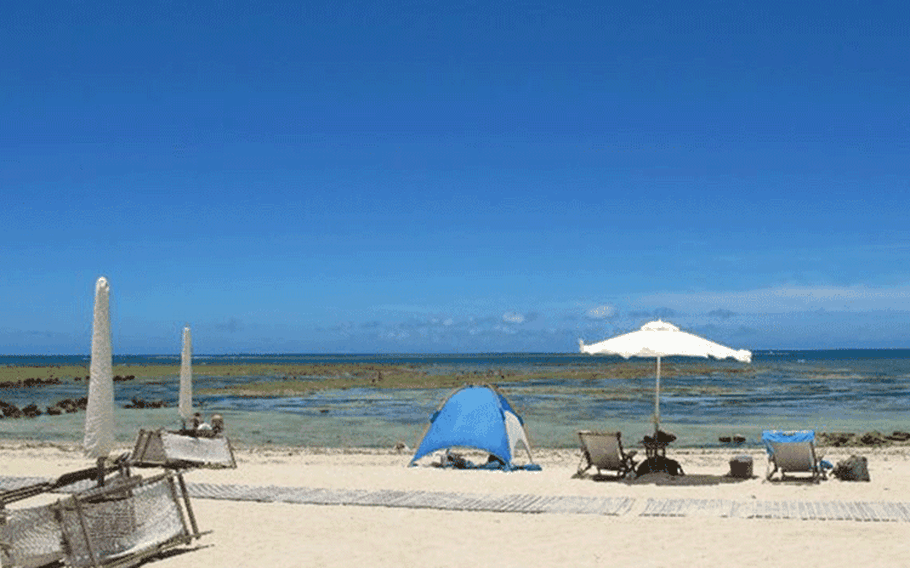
{"x": 584, "y": 465}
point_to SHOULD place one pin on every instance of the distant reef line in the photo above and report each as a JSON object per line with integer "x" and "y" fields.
{"x": 279, "y": 379}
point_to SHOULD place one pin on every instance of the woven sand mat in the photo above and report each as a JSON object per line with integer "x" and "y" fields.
{"x": 881, "y": 511}
{"x": 863, "y": 511}
{"x": 519, "y": 503}
{"x": 8, "y": 483}
{"x": 526, "y": 503}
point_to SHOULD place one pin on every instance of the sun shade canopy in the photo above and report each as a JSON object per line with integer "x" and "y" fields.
{"x": 662, "y": 339}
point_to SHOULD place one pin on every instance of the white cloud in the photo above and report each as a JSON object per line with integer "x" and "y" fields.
{"x": 787, "y": 299}
{"x": 395, "y": 335}
{"x": 404, "y": 308}
{"x": 513, "y": 317}
{"x": 601, "y": 312}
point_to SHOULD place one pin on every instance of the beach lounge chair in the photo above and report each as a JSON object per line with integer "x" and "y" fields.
{"x": 31, "y": 536}
{"x": 792, "y": 452}
{"x": 603, "y": 450}
{"x": 117, "y": 521}
{"x": 125, "y": 522}
{"x": 161, "y": 448}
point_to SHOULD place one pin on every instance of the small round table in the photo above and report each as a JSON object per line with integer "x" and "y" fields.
{"x": 656, "y": 452}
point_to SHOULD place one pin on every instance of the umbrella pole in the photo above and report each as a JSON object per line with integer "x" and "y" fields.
{"x": 657, "y": 400}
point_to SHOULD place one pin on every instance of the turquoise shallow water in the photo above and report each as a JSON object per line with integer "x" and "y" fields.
{"x": 843, "y": 390}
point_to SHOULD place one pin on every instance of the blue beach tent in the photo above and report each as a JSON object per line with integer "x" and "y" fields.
{"x": 476, "y": 417}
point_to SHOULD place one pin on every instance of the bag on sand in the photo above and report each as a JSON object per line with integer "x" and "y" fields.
{"x": 659, "y": 463}
{"x": 854, "y": 468}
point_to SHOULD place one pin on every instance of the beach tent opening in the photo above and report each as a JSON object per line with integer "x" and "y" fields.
{"x": 476, "y": 417}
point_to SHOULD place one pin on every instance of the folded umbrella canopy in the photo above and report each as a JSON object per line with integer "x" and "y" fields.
{"x": 99, "y": 413}
{"x": 661, "y": 339}
{"x": 185, "y": 401}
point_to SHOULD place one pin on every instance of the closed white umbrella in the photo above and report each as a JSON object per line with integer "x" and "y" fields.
{"x": 661, "y": 339}
{"x": 99, "y": 412}
{"x": 185, "y": 404}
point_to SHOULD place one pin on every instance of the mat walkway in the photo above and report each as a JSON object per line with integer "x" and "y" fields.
{"x": 864, "y": 511}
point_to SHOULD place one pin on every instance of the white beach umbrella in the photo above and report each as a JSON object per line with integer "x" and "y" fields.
{"x": 99, "y": 413}
{"x": 185, "y": 405}
{"x": 661, "y": 339}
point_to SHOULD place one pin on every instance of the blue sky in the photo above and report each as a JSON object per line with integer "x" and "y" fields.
{"x": 431, "y": 177}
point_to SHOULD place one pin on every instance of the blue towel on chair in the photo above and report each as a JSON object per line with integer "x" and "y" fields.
{"x": 769, "y": 436}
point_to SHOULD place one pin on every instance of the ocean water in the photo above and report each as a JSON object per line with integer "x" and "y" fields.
{"x": 839, "y": 390}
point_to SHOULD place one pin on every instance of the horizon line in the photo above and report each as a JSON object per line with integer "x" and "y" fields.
{"x": 422, "y": 354}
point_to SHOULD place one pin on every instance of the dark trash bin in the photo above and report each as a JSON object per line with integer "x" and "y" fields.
{"x": 741, "y": 467}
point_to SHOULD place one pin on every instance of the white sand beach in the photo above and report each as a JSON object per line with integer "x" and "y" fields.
{"x": 288, "y": 534}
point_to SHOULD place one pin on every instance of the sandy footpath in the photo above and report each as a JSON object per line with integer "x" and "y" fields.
{"x": 280, "y": 534}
